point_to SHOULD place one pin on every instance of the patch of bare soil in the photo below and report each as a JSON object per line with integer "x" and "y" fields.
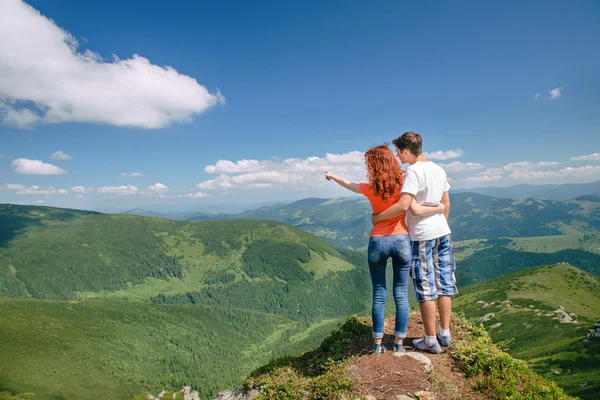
{"x": 385, "y": 376}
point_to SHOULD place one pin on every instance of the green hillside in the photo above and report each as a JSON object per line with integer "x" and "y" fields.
{"x": 88, "y": 255}
{"x": 526, "y": 321}
{"x": 138, "y": 303}
{"x": 496, "y": 260}
{"x": 117, "y": 349}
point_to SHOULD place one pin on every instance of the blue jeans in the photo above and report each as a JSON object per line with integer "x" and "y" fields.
{"x": 399, "y": 248}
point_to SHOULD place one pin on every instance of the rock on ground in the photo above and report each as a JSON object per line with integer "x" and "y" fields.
{"x": 421, "y": 358}
{"x": 487, "y": 317}
{"x": 236, "y": 394}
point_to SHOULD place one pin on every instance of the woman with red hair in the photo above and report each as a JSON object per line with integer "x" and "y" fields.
{"x": 389, "y": 238}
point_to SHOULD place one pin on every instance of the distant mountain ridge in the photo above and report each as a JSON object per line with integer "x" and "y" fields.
{"x": 345, "y": 222}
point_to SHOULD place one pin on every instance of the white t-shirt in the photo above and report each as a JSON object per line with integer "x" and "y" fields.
{"x": 427, "y": 182}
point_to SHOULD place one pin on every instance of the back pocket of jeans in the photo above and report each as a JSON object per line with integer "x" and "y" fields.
{"x": 374, "y": 251}
{"x": 403, "y": 248}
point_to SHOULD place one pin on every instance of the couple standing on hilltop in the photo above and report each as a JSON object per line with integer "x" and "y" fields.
{"x": 423, "y": 251}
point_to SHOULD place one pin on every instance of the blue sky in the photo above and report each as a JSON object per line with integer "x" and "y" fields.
{"x": 285, "y": 84}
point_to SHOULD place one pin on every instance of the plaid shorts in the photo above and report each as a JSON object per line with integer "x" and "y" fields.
{"x": 433, "y": 268}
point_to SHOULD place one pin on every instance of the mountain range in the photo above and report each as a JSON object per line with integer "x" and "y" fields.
{"x": 172, "y": 303}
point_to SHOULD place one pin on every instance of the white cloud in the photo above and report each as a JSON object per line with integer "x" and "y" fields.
{"x": 81, "y": 189}
{"x": 443, "y": 155}
{"x": 40, "y": 202}
{"x": 229, "y": 167}
{"x": 120, "y": 190}
{"x": 13, "y": 186}
{"x": 289, "y": 173}
{"x": 220, "y": 182}
{"x": 458, "y": 166}
{"x": 24, "y": 166}
{"x": 22, "y": 118}
{"x": 553, "y": 94}
{"x": 197, "y": 195}
{"x": 569, "y": 171}
{"x": 60, "y": 155}
{"x": 496, "y": 174}
{"x": 80, "y": 196}
{"x": 33, "y": 190}
{"x": 591, "y": 157}
{"x": 484, "y": 178}
{"x": 158, "y": 188}
{"x": 131, "y": 174}
{"x": 43, "y": 65}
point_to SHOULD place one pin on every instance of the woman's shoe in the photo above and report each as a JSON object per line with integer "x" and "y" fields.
{"x": 378, "y": 349}
{"x": 398, "y": 348}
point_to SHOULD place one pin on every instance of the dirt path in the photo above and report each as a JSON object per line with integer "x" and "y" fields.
{"x": 386, "y": 376}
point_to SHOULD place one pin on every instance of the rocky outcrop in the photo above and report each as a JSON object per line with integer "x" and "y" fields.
{"x": 236, "y": 394}
{"x": 594, "y": 333}
{"x": 486, "y": 317}
{"x": 420, "y": 358}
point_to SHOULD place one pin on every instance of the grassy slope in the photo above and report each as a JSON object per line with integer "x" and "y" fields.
{"x": 116, "y": 349}
{"x": 529, "y": 330}
{"x": 286, "y": 281}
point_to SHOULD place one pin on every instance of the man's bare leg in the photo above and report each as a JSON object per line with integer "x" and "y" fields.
{"x": 428, "y": 314}
{"x": 445, "y": 308}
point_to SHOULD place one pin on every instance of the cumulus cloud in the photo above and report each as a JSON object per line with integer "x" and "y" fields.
{"x": 33, "y": 190}
{"x": 569, "y": 171}
{"x": 458, "y": 166}
{"x": 553, "y": 94}
{"x": 495, "y": 174}
{"x": 60, "y": 155}
{"x": 197, "y": 195}
{"x": 131, "y": 174}
{"x": 591, "y": 157}
{"x": 484, "y": 178}
{"x": 230, "y": 167}
{"x": 24, "y": 166}
{"x": 443, "y": 155}
{"x": 158, "y": 188}
{"x": 47, "y": 78}
{"x": 81, "y": 189}
{"x": 289, "y": 173}
{"x": 118, "y": 190}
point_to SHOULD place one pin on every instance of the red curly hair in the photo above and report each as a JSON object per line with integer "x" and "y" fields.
{"x": 384, "y": 172}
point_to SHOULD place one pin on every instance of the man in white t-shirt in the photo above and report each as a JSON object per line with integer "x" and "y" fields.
{"x": 433, "y": 257}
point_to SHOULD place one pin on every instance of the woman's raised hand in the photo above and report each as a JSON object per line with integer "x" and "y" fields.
{"x": 328, "y": 175}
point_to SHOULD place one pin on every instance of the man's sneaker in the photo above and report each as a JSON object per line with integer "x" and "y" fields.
{"x": 378, "y": 348}
{"x": 420, "y": 344}
{"x": 398, "y": 348}
{"x": 444, "y": 340}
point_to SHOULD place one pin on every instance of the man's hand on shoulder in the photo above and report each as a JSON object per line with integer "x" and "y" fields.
{"x": 375, "y": 219}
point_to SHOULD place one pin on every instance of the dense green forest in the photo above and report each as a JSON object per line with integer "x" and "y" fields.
{"x": 139, "y": 304}
{"x": 495, "y": 261}
{"x": 117, "y": 349}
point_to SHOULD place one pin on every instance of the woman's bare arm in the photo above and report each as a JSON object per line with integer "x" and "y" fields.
{"x": 354, "y": 187}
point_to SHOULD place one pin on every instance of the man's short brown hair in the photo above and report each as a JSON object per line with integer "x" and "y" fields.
{"x": 411, "y": 141}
